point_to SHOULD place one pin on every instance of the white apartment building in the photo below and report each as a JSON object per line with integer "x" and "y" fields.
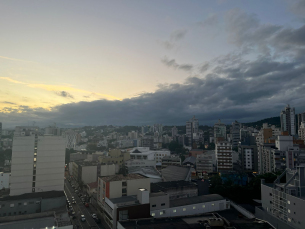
{"x": 38, "y": 162}
{"x": 70, "y": 136}
{"x": 288, "y": 120}
{"x": 224, "y": 156}
{"x": 144, "y": 153}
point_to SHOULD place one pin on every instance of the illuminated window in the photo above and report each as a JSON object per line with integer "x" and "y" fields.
{"x": 161, "y": 213}
{"x": 194, "y": 207}
{"x": 174, "y": 210}
{"x": 212, "y": 204}
{"x": 288, "y": 202}
{"x": 184, "y": 209}
{"x": 203, "y": 206}
{"x": 152, "y": 214}
{"x": 288, "y": 210}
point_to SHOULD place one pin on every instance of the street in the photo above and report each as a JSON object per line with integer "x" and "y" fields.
{"x": 80, "y": 209}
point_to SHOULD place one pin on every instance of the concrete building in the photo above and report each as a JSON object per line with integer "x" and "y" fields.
{"x": 118, "y": 185}
{"x": 189, "y": 161}
{"x": 171, "y": 160}
{"x": 301, "y": 118}
{"x": 224, "y": 156}
{"x": 235, "y": 133}
{"x": 192, "y": 129}
{"x": 176, "y": 173}
{"x": 206, "y": 162}
{"x": 175, "y": 189}
{"x": 78, "y": 156}
{"x": 70, "y": 136}
{"x": 288, "y": 120}
{"x": 248, "y": 156}
{"x": 4, "y": 180}
{"x": 219, "y": 131}
{"x": 283, "y": 204}
{"x": 115, "y": 156}
{"x": 148, "y": 171}
{"x": 190, "y": 206}
{"x": 38, "y": 162}
{"x": 147, "y": 141}
{"x": 301, "y": 131}
{"x": 175, "y": 131}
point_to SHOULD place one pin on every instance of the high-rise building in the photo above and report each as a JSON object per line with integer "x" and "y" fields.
{"x": 70, "y": 136}
{"x": 235, "y": 132}
{"x": 219, "y": 131}
{"x": 288, "y": 120}
{"x": 174, "y": 131}
{"x": 302, "y": 131}
{"x": 301, "y": 118}
{"x": 192, "y": 129}
{"x": 38, "y": 162}
{"x": 224, "y": 156}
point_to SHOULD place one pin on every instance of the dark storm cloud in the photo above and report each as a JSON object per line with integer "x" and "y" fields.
{"x": 64, "y": 94}
{"x": 232, "y": 87}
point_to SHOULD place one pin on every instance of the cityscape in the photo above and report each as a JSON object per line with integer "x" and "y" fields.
{"x": 152, "y": 114}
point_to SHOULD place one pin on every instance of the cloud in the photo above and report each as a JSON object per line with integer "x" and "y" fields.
{"x": 174, "y": 64}
{"x": 14, "y": 59}
{"x": 211, "y": 20}
{"x": 64, "y": 94}
{"x": 55, "y": 88}
{"x": 175, "y": 36}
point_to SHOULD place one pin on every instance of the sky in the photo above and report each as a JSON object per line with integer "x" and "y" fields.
{"x": 99, "y": 62}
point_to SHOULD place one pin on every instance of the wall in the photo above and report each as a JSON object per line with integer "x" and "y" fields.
{"x": 200, "y": 208}
{"x": 23, "y": 206}
{"x": 89, "y": 174}
{"x": 4, "y": 180}
{"x": 52, "y": 203}
{"x": 157, "y": 200}
{"x": 134, "y": 185}
{"x": 107, "y": 170}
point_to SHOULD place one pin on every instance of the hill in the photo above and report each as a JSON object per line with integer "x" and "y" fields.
{"x": 272, "y": 121}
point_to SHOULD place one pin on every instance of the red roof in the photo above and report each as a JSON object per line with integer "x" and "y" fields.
{"x": 92, "y": 185}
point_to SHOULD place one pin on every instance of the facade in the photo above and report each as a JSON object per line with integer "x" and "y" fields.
{"x": 302, "y": 131}
{"x": 70, "y": 136}
{"x": 38, "y": 162}
{"x": 235, "y": 133}
{"x": 248, "y": 157}
{"x": 283, "y": 204}
{"x": 189, "y": 161}
{"x": 175, "y": 131}
{"x": 85, "y": 171}
{"x": 170, "y": 160}
{"x": 224, "y": 156}
{"x": 4, "y": 180}
{"x": 118, "y": 185}
{"x": 288, "y": 120}
{"x": 205, "y": 162}
{"x": 192, "y": 129}
{"x": 301, "y": 118}
{"x": 219, "y": 131}
{"x": 115, "y": 156}
{"x": 190, "y": 206}
{"x": 147, "y": 142}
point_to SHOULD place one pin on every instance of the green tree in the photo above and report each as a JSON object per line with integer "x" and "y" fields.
{"x": 123, "y": 170}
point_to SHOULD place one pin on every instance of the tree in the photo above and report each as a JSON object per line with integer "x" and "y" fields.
{"x": 5, "y": 155}
{"x": 123, "y": 169}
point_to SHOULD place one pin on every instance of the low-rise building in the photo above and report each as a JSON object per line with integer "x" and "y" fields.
{"x": 189, "y": 161}
{"x": 171, "y": 160}
{"x": 205, "y": 163}
{"x": 176, "y": 173}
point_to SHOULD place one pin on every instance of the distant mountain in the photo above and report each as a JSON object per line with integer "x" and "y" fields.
{"x": 272, "y": 121}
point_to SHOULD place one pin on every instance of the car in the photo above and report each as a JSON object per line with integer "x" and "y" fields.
{"x": 86, "y": 205}
{"x": 73, "y": 186}
{"x": 94, "y": 216}
{"x": 83, "y": 219}
{"x": 72, "y": 213}
{"x": 73, "y": 202}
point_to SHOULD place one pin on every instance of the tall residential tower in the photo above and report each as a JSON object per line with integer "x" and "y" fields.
{"x": 288, "y": 120}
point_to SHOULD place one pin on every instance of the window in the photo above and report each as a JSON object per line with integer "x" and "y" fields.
{"x": 31, "y": 202}
{"x": 124, "y": 183}
{"x": 184, "y": 209}
{"x": 212, "y": 204}
{"x": 153, "y": 205}
{"x": 288, "y": 210}
{"x": 19, "y": 204}
{"x": 161, "y": 213}
{"x": 124, "y": 190}
{"x": 194, "y": 207}
{"x": 12, "y": 205}
{"x": 123, "y": 215}
{"x": 288, "y": 202}
{"x": 174, "y": 210}
{"x": 153, "y": 214}
{"x": 163, "y": 204}
{"x": 25, "y": 203}
{"x": 203, "y": 206}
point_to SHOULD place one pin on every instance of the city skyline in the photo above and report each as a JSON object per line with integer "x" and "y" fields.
{"x": 93, "y": 64}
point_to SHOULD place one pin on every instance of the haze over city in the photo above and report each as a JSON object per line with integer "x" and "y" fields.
{"x": 141, "y": 62}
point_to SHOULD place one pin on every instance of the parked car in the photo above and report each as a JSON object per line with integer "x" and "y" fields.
{"x": 83, "y": 218}
{"x": 94, "y": 216}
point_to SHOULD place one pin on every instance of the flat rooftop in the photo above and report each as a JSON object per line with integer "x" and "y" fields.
{"x": 195, "y": 200}
{"x": 120, "y": 177}
{"x": 163, "y": 186}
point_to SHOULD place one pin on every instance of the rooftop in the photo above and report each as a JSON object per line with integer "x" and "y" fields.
{"x": 163, "y": 186}
{"x": 43, "y": 195}
{"x": 148, "y": 171}
{"x": 190, "y": 159}
{"x": 175, "y": 173}
{"x": 195, "y": 200}
{"x": 93, "y": 185}
{"x": 120, "y": 177}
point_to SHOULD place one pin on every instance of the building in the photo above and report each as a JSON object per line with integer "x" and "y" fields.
{"x": 147, "y": 141}
{"x": 159, "y": 154}
{"x": 176, "y": 173}
{"x": 70, "y": 136}
{"x": 219, "y": 131}
{"x": 248, "y": 156}
{"x": 77, "y": 156}
{"x": 283, "y": 204}
{"x": 301, "y": 118}
{"x": 127, "y": 207}
{"x": 301, "y": 131}
{"x": 205, "y": 163}
{"x": 115, "y": 156}
{"x": 192, "y": 129}
{"x": 52, "y": 130}
{"x": 288, "y": 120}
{"x": 4, "y": 180}
{"x": 195, "y": 152}
{"x": 175, "y": 131}
{"x": 0, "y": 131}
{"x": 38, "y": 162}
{"x": 235, "y": 133}
{"x": 189, "y": 206}
{"x": 175, "y": 189}
{"x": 189, "y": 161}
{"x": 148, "y": 171}
{"x": 224, "y": 156}
{"x": 133, "y": 135}
{"x": 119, "y": 185}
{"x": 171, "y": 160}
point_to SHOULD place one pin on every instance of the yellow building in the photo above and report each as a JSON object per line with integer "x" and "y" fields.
{"x": 115, "y": 156}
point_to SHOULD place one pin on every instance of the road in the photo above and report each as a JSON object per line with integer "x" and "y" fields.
{"x": 80, "y": 209}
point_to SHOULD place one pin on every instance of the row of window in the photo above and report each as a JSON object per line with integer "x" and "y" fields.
{"x": 19, "y": 204}
{"x": 14, "y": 213}
{"x": 175, "y": 210}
